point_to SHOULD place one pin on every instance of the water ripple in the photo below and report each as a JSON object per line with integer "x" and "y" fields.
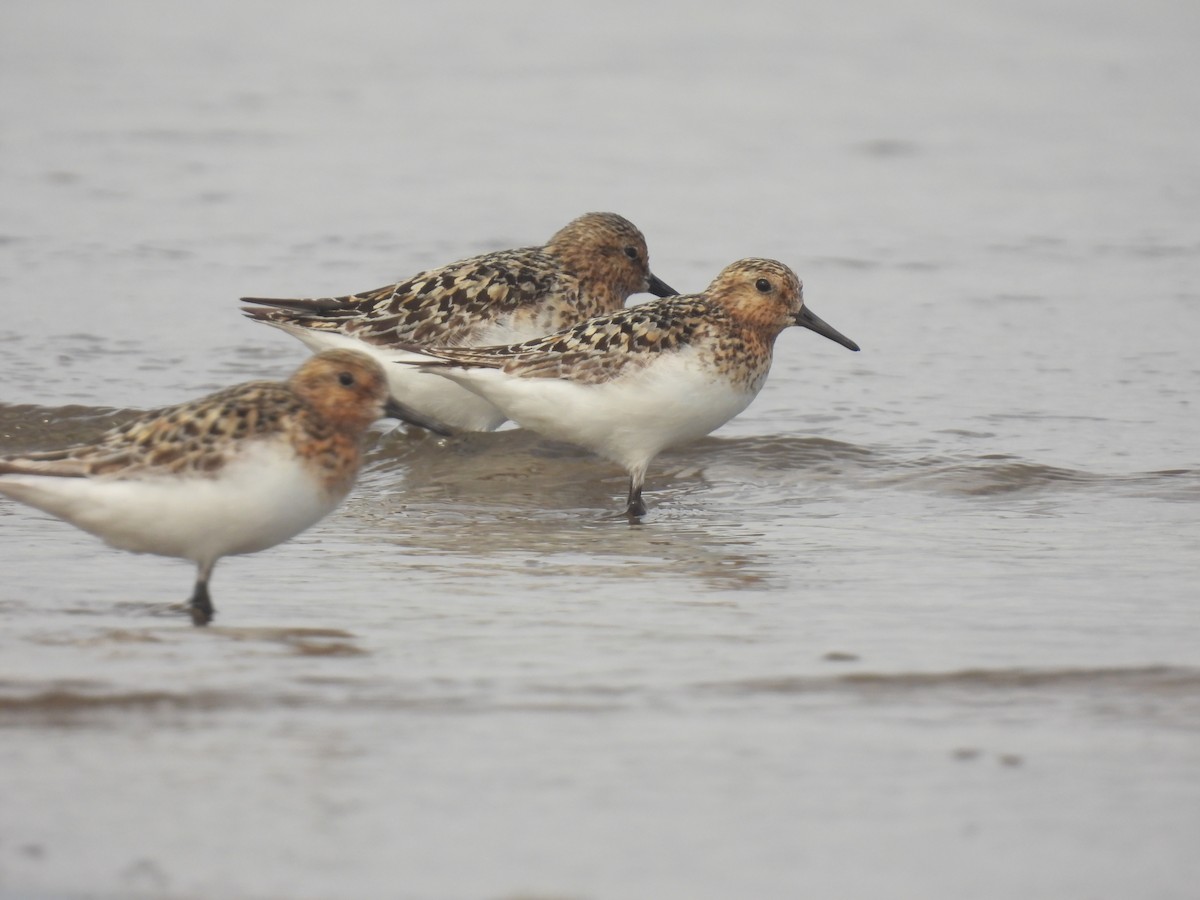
{"x": 518, "y": 467}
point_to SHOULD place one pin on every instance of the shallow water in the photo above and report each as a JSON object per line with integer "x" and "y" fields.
{"x": 921, "y": 622}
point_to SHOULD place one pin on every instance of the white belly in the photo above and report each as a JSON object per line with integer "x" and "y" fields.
{"x": 628, "y": 420}
{"x": 260, "y": 500}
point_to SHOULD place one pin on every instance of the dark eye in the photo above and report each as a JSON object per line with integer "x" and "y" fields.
{"x": 346, "y": 379}
{"x": 763, "y": 285}
{"x": 632, "y": 253}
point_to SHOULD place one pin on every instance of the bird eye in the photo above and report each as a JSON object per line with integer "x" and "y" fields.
{"x": 632, "y": 253}
{"x": 763, "y": 285}
{"x": 346, "y": 379}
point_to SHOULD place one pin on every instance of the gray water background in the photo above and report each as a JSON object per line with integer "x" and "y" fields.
{"x": 922, "y": 622}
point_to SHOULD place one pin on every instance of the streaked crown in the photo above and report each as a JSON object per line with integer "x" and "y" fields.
{"x": 764, "y": 291}
{"x": 607, "y": 252}
{"x": 345, "y": 386}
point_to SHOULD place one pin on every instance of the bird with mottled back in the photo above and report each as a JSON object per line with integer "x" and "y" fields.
{"x": 235, "y": 472}
{"x": 589, "y": 267}
{"x": 628, "y": 384}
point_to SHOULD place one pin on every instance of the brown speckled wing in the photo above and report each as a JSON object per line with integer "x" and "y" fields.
{"x": 600, "y": 347}
{"x": 446, "y": 305}
{"x": 179, "y": 439}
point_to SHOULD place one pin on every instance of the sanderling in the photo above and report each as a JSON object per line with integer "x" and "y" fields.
{"x": 235, "y": 472}
{"x": 589, "y": 267}
{"x": 628, "y": 384}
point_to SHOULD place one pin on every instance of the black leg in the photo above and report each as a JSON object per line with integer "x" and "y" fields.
{"x": 635, "y": 508}
{"x": 201, "y": 606}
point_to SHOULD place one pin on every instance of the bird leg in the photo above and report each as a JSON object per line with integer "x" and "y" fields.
{"x": 635, "y": 507}
{"x": 200, "y": 606}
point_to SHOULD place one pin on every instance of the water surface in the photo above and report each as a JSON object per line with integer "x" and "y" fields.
{"x": 921, "y": 622}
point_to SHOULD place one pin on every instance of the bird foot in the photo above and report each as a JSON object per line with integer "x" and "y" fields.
{"x": 201, "y": 607}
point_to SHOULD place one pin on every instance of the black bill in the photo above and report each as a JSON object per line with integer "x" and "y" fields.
{"x": 660, "y": 288}
{"x": 809, "y": 319}
{"x": 394, "y": 409}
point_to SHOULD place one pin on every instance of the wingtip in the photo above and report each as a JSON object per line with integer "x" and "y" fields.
{"x": 278, "y": 302}
{"x": 18, "y": 466}
{"x": 298, "y": 304}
